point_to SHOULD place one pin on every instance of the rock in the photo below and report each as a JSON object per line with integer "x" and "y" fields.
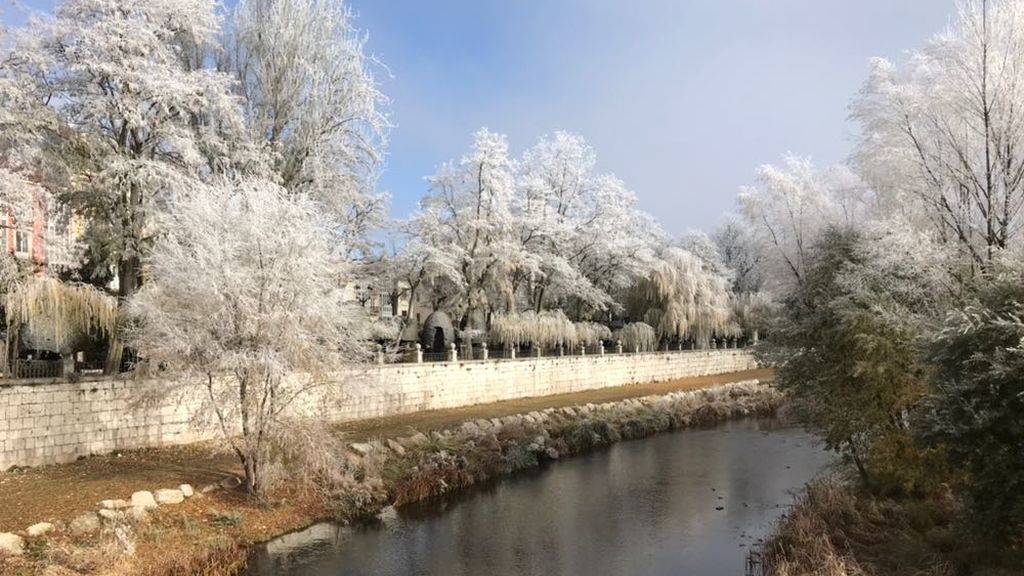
{"x": 435, "y": 435}
{"x": 85, "y": 524}
{"x": 470, "y": 429}
{"x": 396, "y": 447}
{"x": 230, "y": 483}
{"x": 111, "y": 515}
{"x": 186, "y": 490}
{"x": 482, "y": 424}
{"x": 143, "y": 498}
{"x": 417, "y": 439}
{"x": 11, "y": 544}
{"x": 39, "y": 529}
{"x": 552, "y": 453}
{"x": 362, "y": 448}
{"x": 168, "y": 496}
{"x": 114, "y": 504}
{"x": 388, "y": 513}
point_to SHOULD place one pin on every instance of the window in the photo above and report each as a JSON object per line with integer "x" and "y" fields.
{"x": 21, "y": 241}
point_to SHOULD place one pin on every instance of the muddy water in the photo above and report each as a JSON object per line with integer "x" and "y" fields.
{"x": 690, "y": 502}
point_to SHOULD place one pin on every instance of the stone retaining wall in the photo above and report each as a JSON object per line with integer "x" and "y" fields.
{"x": 52, "y": 422}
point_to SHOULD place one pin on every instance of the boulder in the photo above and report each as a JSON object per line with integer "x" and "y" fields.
{"x": 111, "y": 515}
{"x": 39, "y": 529}
{"x": 361, "y": 448}
{"x": 470, "y": 429}
{"x": 169, "y": 496}
{"x": 114, "y": 504}
{"x": 85, "y": 524}
{"x": 417, "y": 439}
{"x": 11, "y": 544}
{"x": 186, "y": 490}
{"x": 144, "y": 498}
{"x": 396, "y": 447}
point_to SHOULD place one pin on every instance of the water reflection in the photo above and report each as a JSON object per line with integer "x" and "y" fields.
{"x": 683, "y": 503}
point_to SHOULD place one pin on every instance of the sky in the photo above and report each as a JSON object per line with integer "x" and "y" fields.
{"x": 682, "y": 99}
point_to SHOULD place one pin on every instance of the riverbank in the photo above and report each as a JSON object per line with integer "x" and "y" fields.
{"x": 837, "y": 529}
{"x": 207, "y": 533}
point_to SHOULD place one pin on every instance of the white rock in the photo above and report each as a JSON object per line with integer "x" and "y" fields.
{"x": 388, "y": 513}
{"x": 144, "y": 498}
{"x": 86, "y": 523}
{"x": 111, "y": 515}
{"x": 396, "y": 447}
{"x": 11, "y": 544}
{"x": 186, "y": 490}
{"x": 39, "y": 529}
{"x": 169, "y": 496}
{"x": 362, "y": 448}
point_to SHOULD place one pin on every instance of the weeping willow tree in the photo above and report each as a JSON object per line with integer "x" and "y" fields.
{"x": 55, "y": 314}
{"x": 753, "y": 313}
{"x": 591, "y": 333}
{"x": 545, "y": 329}
{"x": 681, "y": 296}
{"x": 637, "y": 336}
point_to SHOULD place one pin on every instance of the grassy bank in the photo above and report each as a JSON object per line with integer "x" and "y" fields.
{"x": 837, "y": 529}
{"x": 208, "y": 534}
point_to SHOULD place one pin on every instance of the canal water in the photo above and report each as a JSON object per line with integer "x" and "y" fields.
{"x": 689, "y": 502}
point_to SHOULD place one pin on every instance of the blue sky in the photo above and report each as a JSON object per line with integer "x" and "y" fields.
{"x": 681, "y": 99}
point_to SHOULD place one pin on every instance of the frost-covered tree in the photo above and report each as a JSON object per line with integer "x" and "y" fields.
{"x": 942, "y": 132}
{"x": 682, "y": 296}
{"x": 468, "y": 216}
{"x": 791, "y": 205}
{"x": 310, "y": 94}
{"x": 849, "y": 345}
{"x": 574, "y": 223}
{"x": 737, "y": 249}
{"x": 140, "y": 118}
{"x": 975, "y": 412}
{"x": 246, "y": 289}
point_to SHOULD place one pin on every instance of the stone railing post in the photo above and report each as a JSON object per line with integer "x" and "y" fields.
{"x": 453, "y": 352}
{"x": 69, "y": 364}
{"x": 380, "y": 354}
{"x": 536, "y": 351}
{"x": 600, "y": 348}
{"x": 419, "y": 353}
{"x": 636, "y": 348}
{"x": 583, "y": 349}
{"x": 512, "y": 352}
{"x": 561, "y": 350}
{"x": 618, "y": 346}
{"x": 483, "y": 351}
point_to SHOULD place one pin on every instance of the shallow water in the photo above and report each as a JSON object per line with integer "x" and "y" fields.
{"x": 689, "y": 502}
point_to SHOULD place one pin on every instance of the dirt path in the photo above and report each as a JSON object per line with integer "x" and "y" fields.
{"x": 63, "y": 491}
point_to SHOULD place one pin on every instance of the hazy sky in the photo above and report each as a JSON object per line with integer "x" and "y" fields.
{"x": 682, "y": 99}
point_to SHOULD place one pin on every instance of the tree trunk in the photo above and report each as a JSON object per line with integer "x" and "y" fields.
{"x": 251, "y": 464}
{"x": 129, "y": 270}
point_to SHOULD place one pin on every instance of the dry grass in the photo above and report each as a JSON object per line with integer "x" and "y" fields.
{"x": 836, "y": 530}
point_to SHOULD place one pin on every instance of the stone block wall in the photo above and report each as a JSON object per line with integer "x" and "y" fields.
{"x": 52, "y": 422}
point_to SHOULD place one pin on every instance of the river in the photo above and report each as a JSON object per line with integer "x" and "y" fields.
{"x": 689, "y": 502}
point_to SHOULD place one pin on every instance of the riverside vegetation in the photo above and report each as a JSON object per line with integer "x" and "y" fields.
{"x": 348, "y": 483}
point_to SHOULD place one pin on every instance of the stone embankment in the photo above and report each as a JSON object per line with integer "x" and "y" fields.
{"x": 389, "y": 472}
